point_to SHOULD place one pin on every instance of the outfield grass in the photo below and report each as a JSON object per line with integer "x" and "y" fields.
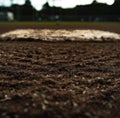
{"x": 54, "y": 22}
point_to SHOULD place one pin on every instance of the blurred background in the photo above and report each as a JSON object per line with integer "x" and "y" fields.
{"x": 60, "y": 10}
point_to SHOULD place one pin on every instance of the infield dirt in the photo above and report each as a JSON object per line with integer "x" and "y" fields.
{"x": 112, "y": 27}
{"x": 59, "y": 79}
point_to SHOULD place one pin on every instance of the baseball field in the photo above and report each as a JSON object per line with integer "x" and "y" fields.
{"x": 67, "y": 79}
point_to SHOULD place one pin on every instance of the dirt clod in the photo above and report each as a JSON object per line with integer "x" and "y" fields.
{"x": 59, "y": 35}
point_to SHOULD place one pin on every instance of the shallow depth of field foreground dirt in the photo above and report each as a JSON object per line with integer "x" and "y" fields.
{"x": 59, "y": 79}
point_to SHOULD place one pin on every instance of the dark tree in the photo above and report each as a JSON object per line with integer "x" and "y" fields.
{"x": 25, "y": 12}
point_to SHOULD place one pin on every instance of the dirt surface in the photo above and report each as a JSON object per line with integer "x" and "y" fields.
{"x": 59, "y": 80}
{"x": 59, "y": 35}
{"x": 112, "y": 27}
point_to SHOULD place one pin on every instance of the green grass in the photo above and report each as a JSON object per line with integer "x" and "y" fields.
{"x": 54, "y": 22}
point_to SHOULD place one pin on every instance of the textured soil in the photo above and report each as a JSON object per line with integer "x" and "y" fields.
{"x": 60, "y": 79}
{"x": 59, "y": 35}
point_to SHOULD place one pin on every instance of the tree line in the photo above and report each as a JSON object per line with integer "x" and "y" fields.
{"x": 95, "y": 11}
